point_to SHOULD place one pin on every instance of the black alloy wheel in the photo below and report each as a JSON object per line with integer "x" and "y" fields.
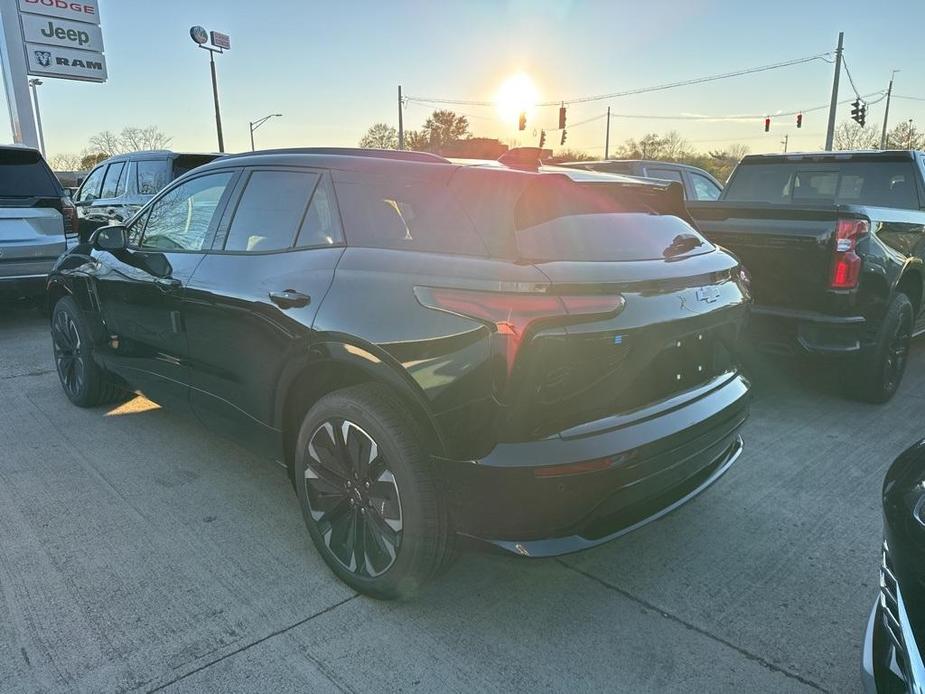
{"x": 353, "y": 498}
{"x": 898, "y": 353}
{"x": 69, "y": 360}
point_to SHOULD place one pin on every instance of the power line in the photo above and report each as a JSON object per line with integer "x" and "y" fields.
{"x": 639, "y": 90}
{"x": 850, "y": 78}
{"x": 911, "y": 98}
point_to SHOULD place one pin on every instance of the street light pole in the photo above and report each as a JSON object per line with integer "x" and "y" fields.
{"x": 257, "y": 123}
{"x": 34, "y": 82}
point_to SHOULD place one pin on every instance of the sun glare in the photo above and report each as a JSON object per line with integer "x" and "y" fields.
{"x": 516, "y": 95}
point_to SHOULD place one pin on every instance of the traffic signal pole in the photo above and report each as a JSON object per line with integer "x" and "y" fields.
{"x": 607, "y": 136}
{"x": 830, "y": 132}
{"x": 401, "y": 125}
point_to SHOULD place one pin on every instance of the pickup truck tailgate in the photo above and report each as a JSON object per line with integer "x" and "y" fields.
{"x": 787, "y": 251}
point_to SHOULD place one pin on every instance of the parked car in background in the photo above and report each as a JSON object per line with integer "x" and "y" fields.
{"x": 895, "y": 640}
{"x": 36, "y": 221}
{"x": 119, "y": 186}
{"x": 535, "y": 364}
{"x": 834, "y": 243}
{"x": 698, "y": 184}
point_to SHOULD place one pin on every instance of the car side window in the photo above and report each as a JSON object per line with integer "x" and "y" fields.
{"x": 408, "y": 213}
{"x": 704, "y": 188}
{"x": 181, "y": 220}
{"x": 111, "y": 181}
{"x": 152, "y": 175}
{"x": 665, "y": 174}
{"x": 90, "y": 190}
{"x": 270, "y": 210}
{"x": 321, "y": 226}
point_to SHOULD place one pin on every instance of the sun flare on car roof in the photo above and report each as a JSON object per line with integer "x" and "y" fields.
{"x": 517, "y": 94}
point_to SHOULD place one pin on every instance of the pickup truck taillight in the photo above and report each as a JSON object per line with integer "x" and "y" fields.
{"x": 511, "y": 315}
{"x": 846, "y": 268}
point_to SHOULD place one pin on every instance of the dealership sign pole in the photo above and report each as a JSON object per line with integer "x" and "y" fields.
{"x": 220, "y": 43}
{"x": 47, "y": 38}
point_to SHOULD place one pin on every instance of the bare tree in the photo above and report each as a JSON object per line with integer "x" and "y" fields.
{"x": 444, "y": 127}
{"x": 905, "y": 136}
{"x": 563, "y": 155}
{"x": 380, "y": 136}
{"x": 851, "y": 135}
{"x": 66, "y": 161}
{"x": 674, "y": 147}
{"x": 131, "y": 139}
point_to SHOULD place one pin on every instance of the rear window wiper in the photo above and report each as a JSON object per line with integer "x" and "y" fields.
{"x": 681, "y": 244}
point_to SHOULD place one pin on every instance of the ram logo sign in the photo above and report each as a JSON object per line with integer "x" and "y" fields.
{"x": 50, "y": 61}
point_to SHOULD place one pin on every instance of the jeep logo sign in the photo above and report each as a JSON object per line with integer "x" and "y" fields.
{"x": 61, "y": 32}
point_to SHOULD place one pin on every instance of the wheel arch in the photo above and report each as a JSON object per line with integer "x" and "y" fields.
{"x": 331, "y": 366}
{"x": 911, "y": 284}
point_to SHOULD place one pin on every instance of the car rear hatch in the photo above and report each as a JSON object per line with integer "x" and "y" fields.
{"x": 32, "y": 227}
{"x": 638, "y": 308}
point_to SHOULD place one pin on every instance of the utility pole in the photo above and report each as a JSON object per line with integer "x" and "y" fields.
{"x": 785, "y": 142}
{"x": 830, "y": 133}
{"x": 886, "y": 113}
{"x": 35, "y": 82}
{"x": 909, "y": 139}
{"x": 607, "y": 136}
{"x": 401, "y": 125}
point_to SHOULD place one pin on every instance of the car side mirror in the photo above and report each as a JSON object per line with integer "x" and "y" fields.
{"x": 111, "y": 238}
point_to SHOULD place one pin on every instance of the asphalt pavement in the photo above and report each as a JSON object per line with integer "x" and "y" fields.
{"x": 138, "y": 552}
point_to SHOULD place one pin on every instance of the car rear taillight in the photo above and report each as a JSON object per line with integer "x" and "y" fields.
{"x": 846, "y": 268}
{"x": 512, "y": 315}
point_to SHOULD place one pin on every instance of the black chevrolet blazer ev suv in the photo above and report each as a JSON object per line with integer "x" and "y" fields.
{"x": 533, "y": 360}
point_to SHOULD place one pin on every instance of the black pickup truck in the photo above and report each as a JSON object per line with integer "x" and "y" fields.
{"x": 834, "y": 243}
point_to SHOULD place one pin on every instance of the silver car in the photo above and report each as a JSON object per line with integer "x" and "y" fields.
{"x": 37, "y": 221}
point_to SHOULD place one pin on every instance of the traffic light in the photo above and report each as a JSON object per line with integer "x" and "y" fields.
{"x": 562, "y": 141}
{"x": 859, "y": 112}
{"x": 767, "y": 124}
{"x": 542, "y": 138}
{"x": 522, "y": 121}
{"x": 799, "y": 120}
{"x": 562, "y": 117}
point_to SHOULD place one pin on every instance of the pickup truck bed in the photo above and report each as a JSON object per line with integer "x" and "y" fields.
{"x": 828, "y": 252}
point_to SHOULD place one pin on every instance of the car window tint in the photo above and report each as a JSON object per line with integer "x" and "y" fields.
{"x": 704, "y": 188}
{"x": 23, "y": 173}
{"x": 111, "y": 181}
{"x": 152, "y": 175}
{"x": 90, "y": 190}
{"x": 666, "y": 174}
{"x": 270, "y": 210}
{"x": 181, "y": 219}
{"x": 123, "y": 179}
{"x": 410, "y": 214}
{"x": 321, "y": 226}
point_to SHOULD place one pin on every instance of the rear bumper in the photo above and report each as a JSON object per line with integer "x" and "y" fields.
{"x": 787, "y": 330}
{"x": 655, "y": 461}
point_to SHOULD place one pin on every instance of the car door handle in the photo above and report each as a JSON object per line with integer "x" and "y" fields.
{"x": 290, "y": 298}
{"x": 167, "y": 283}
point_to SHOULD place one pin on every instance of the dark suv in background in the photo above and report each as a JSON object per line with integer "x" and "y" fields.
{"x": 119, "y": 186}
{"x": 697, "y": 183}
{"x": 539, "y": 362}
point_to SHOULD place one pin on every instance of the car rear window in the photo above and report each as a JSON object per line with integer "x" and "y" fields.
{"x": 25, "y": 174}
{"x": 883, "y": 183}
{"x": 404, "y": 213}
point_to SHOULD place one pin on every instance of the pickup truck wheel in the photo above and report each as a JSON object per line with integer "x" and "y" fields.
{"x": 368, "y": 496}
{"x": 84, "y": 383}
{"x": 883, "y": 367}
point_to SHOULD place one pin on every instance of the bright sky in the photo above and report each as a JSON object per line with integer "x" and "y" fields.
{"x": 332, "y": 68}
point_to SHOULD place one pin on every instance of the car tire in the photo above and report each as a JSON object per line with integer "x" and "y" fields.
{"x": 368, "y": 493}
{"x": 882, "y": 367}
{"x": 83, "y": 381}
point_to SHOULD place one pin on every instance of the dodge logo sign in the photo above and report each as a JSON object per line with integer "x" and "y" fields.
{"x": 708, "y": 294}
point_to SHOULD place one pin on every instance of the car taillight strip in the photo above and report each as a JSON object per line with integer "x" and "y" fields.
{"x": 846, "y": 266}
